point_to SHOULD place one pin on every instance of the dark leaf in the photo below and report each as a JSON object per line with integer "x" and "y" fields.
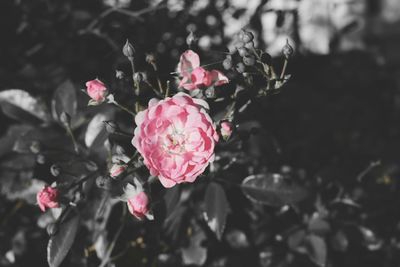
{"x": 216, "y": 208}
{"x": 64, "y": 100}
{"x": 272, "y": 189}
{"x": 339, "y": 241}
{"x": 171, "y": 199}
{"x": 20, "y": 105}
{"x": 60, "y": 243}
{"x": 316, "y": 249}
{"x": 318, "y": 226}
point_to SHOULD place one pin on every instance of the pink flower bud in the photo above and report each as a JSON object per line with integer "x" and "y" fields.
{"x": 96, "y": 90}
{"x": 226, "y": 129}
{"x": 117, "y": 169}
{"x": 139, "y": 206}
{"x": 47, "y": 198}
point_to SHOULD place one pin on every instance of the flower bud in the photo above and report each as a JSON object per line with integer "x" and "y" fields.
{"x": 65, "y": 119}
{"x": 40, "y": 159}
{"x": 240, "y": 67}
{"x": 119, "y": 74}
{"x": 247, "y": 36}
{"x": 139, "y": 206}
{"x": 47, "y": 198}
{"x": 52, "y": 229}
{"x": 35, "y": 147}
{"x": 210, "y": 92}
{"x": 139, "y": 77}
{"x": 249, "y": 45}
{"x": 117, "y": 169}
{"x": 55, "y": 170}
{"x": 239, "y": 44}
{"x": 249, "y": 60}
{"x": 226, "y": 129}
{"x": 191, "y": 39}
{"x": 97, "y": 91}
{"x": 243, "y": 51}
{"x": 128, "y": 50}
{"x": 287, "y": 50}
{"x": 150, "y": 58}
{"x": 227, "y": 64}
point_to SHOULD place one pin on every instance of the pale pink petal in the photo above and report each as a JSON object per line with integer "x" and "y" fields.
{"x": 218, "y": 78}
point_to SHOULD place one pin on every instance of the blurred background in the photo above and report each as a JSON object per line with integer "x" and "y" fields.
{"x": 339, "y": 112}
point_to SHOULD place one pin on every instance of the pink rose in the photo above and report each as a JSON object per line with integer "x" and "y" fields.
{"x": 139, "y": 205}
{"x": 226, "y": 129}
{"x": 137, "y": 201}
{"x": 196, "y": 77}
{"x": 117, "y": 169}
{"x": 47, "y": 198}
{"x": 176, "y": 138}
{"x": 96, "y": 90}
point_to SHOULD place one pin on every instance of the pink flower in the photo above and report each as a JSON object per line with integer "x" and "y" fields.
{"x": 226, "y": 129}
{"x": 47, "y": 198}
{"x": 138, "y": 205}
{"x": 96, "y": 90}
{"x": 176, "y": 138}
{"x": 196, "y": 77}
{"x": 117, "y": 169}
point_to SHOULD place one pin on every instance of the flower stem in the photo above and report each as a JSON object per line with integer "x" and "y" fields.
{"x": 123, "y": 108}
{"x": 284, "y": 69}
{"x": 71, "y": 134}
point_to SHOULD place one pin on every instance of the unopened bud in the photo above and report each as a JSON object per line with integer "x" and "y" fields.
{"x": 128, "y": 50}
{"x": 119, "y": 74}
{"x": 117, "y": 169}
{"x": 287, "y": 50}
{"x": 65, "y": 119}
{"x": 210, "y": 92}
{"x": 247, "y": 37}
{"x": 52, "y": 229}
{"x": 35, "y": 147}
{"x": 139, "y": 77}
{"x": 240, "y": 67}
{"x": 150, "y": 58}
{"x": 249, "y": 60}
{"x": 243, "y": 51}
{"x": 226, "y": 129}
{"x": 40, "y": 159}
{"x": 191, "y": 39}
{"x": 55, "y": 170}
{"x": 227, "y": 63}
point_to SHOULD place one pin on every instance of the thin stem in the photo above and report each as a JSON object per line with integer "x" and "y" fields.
{"x": 368, "y": 169}
{"x": 158, "y": 78}
{"x": 124, "y": 108}
{"x": 284, "y": 69}
{"x": 71, "y": 134}
{"x": 167, "y": 90}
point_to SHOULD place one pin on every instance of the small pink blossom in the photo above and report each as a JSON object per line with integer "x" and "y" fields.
{"x": 137, "y": 200}
{"x": 139, "y": 205}
{"x": 196, "y": 77}
{"x": 96, "y": 90}
{"x": 226, "y": 129}
{"x": 117, "y": 169}
{"x": 176, "y": 138}
{"x": 47, "y": 198}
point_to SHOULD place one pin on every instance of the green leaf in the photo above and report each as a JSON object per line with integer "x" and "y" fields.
{"x": 60, "y": 243}
{"x": 216, "y": 208}
{"x": 20, "y": 105}
{"x": 272, "y": 189}
{"x": 64, "y": 100}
